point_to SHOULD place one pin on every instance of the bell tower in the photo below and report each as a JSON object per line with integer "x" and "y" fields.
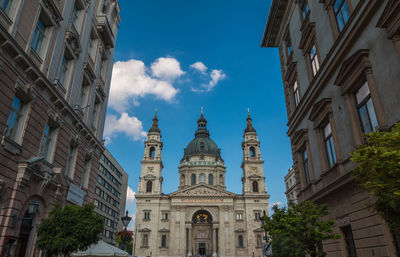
{"x": 151, "y": 177}
{"x": 253, "y": 180}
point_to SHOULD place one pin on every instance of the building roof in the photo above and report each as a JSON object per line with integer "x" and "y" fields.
{"x": 275, "y": 16}
{"x": 202, "y": 143}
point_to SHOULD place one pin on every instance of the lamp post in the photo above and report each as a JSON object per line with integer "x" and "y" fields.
{"x": 125, "y": 221}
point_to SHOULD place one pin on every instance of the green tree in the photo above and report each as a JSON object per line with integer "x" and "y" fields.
{"x": 378, "y": 171}
{"x": 298, "y": 229}
{"x": 69, "y": 229}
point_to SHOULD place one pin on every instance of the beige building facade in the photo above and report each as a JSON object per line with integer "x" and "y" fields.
{"x": 110, "y": 195}
{"x": 56, "y": 59}
{"x": 340, "y": 62}
{"x": 291, "y": 189}
{"x": 201, "y": 217}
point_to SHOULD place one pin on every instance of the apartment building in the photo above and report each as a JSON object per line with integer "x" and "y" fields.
{"x": 340, "y": 62}
{"x": 291, "y": 189}
{"x": 110, "y": 195}
{"x": 56, "y": 59}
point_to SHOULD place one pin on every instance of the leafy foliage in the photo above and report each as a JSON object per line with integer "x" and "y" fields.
{"x": 125, "y": 236}
{"x": 69, "y": 229}
{"x": 378, "y": 171}
{"x": 298, "y": 229}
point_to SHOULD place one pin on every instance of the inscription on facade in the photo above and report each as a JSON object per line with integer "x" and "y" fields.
{"x": 196, "y": 200}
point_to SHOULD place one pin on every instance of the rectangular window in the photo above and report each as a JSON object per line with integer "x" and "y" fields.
{"x": 164, "y": 216}
{"x": 329, "y": 147}
{"x": 39, "y": 35}
{"x": 14, "y": 119}
{"x": 92, "y": 47}
{"x": 366, "y": 109}
{"x": 314, "y": 60}
{"x": 296, "y": 93}
{"x": 304, "y": 8}
{"x": 103, "y": 67}
{"x": 146, "y": 215}
{"x": 257, "y": 216}
{"x": 239, "y": 216}
{"x": 306, "y": 167}
{"x": 240, "y": 240}
{"x": 96, "y": 113}
{"x": 64, "y": 71}
{"x": 83, "y": 96}
{"x": 85, "y": 174}
{"x": 289, "y": 47}
{"x": 47, "y": 142}
{"x": 70, "y": 161}
{"x": 341, "y": 13}
{"x": 348, "y": 238}
{"x": 164, "y": 241}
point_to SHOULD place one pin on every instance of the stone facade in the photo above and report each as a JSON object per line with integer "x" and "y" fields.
{"x": 202, "y": 217}
{"x": 55, "y": 68}
{"x": 291, "y": 189}
{"x": 110, "y": 195}
{"x": 340, "y": 62}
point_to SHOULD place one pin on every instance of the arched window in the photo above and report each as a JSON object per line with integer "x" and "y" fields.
{"x": 152, "y": 152}
{"x": 221, "y": 179}
{"x": 240, "y": 240}
{"x": 145, "y": 241}
{"x": 252, "y": 152}
{"x": 182, "y": 179}
{"x": 202, "y": 178}
{"x": 149, "y": 186}
{"x": 255, "y": 186}
{"x": 193, "y": 179}
{"x": 164, "y": 241}
{"x": 210, "y": 179}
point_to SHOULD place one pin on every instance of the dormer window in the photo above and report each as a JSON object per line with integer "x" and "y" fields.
{"x": 202, "y": 146}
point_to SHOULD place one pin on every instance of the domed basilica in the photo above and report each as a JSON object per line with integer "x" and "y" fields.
{"x": 201, "y": 218}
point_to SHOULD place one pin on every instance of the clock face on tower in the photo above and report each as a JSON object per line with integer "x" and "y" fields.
{"x": 253, "y": 169}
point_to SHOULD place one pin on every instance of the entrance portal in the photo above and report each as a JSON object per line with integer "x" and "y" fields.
{"x": 202, "y": 234}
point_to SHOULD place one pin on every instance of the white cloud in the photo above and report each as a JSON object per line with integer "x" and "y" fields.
{"x": 167, "y": 68}
{"x": 277, "y": 204}
{"x": 125, "y": 124}
{"x": 131, "y": 81}
{"x": 199, "y": 66}
{"x": 215, "y": 77}
{"x": 130, "y": 195}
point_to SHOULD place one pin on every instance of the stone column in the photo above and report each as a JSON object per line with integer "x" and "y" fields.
{"x": 190, "y": 241}
{"x": 214, "y": 254}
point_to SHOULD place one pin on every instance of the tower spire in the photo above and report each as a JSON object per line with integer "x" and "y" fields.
{"x": 249, "y": 127}
{"x": 154, "y": 127}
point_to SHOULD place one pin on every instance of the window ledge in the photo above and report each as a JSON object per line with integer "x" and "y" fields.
{"x": 165, "y": 220}
{"x": 146, "y": 220}
{"x": 163, "y": 247}
{"x": 144, "y": 246}
{"x": 11, "y": 146}
{"x": 240, "y": 247}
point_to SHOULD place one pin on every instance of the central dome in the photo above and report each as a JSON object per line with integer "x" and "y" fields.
{"x": 202, "y": 144}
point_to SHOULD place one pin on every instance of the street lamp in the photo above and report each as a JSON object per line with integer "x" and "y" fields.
{"x": 125, "y": 221}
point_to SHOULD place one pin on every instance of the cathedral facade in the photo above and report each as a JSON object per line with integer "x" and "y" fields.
{"x": 201, "y": 218}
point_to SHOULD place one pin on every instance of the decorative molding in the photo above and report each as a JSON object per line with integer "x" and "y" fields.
{"x": 390, "y": 18}
{"x": 320, "y": 110}
{"x": 352, "y": 71}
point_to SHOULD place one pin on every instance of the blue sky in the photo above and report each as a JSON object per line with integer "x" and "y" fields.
{"x": 178, "y": 56}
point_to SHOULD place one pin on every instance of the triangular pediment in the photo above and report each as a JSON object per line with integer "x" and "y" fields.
{"x": 149, "y": 177}
{"x": 202, "y": 190}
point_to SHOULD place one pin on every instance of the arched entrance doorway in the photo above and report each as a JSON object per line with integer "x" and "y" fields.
{"x": 202, "y": 243}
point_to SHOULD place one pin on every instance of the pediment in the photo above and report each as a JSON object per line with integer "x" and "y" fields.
{"x": 352, "y": 67}
{"x": 202, "y": 190}
{"x": 319, "y": 108}
{"x": 390, "y": 18}
{"x": 165, "y": 230}
{"x": 145, "y": 230}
